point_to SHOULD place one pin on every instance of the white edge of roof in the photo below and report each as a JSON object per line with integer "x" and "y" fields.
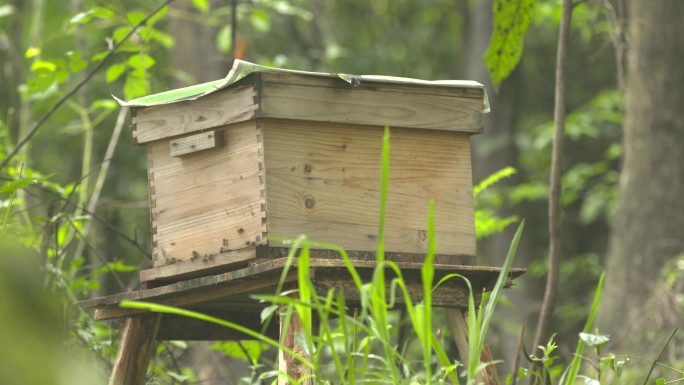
{"x": 241, "y": 68}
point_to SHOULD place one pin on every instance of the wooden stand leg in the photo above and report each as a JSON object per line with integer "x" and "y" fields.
{"x": 286, "y": 363}
{"x": 457, "y": 320}
{"x": 137, "y": 340}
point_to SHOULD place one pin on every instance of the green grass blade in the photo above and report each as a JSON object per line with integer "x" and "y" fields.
{"x": 444, "y": 361}
{"x": 305, "y": 295}
{"x": 574, "y": 367}
{"x": 479, "y": 320}
{"x": 427, "y": 272}
{"x": 203, "y": 317}
{"x": 345, "y": 257}
{"x": 384, "y": 187}
{"x": 500, "y": 283}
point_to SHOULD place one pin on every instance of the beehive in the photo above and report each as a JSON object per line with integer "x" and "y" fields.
{"x": 237, "y": 165}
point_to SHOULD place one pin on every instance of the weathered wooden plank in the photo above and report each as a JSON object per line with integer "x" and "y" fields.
{"x": 208, "y": 203}
{"x": 223, "y": 287}
{"x": 227, "y": 279}
{"x": 205, "y": 265}
{"x": 195, "y": 143}
{"x": 191, "y": 297}
{"x": 135, "y": 351}
{"x": 215, "y": 110}
{"x": 324, "y": 180}
{"x": 481, "y": 276}
{"x": 288, "y": 96}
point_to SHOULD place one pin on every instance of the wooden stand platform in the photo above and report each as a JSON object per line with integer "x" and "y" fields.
{"x": 227, "y": 296}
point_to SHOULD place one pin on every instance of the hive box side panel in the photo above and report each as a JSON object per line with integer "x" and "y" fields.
{"x": 323, "y": 180}
{"x": 236, "y": 104}
{"x": 208, "y": 202}
{"x": 290, "y": 96}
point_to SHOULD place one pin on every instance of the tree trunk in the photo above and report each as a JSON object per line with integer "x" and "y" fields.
{"x": 195, "y": 51}
{"x": 649, "y": 221}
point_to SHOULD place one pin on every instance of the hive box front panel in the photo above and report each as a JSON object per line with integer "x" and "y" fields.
{"x": 209, "y": 202}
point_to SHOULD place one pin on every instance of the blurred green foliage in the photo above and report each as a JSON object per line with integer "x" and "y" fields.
{"x": 35, "y": 350}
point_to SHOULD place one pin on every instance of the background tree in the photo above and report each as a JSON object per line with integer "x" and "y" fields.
{"x": 647, "y": 237}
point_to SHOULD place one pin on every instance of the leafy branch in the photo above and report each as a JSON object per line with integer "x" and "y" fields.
{"x": 78, "y": 86}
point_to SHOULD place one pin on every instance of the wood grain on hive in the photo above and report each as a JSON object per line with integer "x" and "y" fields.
{"x": 277, "y": 155}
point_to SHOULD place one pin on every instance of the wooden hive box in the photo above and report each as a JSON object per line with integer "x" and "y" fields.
{"x": 267, "y": 153}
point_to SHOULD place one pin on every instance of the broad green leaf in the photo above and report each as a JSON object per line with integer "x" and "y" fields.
{"x": 267, "y": 312}
{"x": 77, "y": 262}
{"x": 511, "y": 19}
{"x": 105, "y": 104}
{"x": 223, "y": 39}
{"x": 157, "y": 16}
{"x": 250, "y": 351}
{"x": 102, "y": 12}
{"x": 43, "y": 67}
{"x": 77, "y": 65}
{"x": 260, "y": 21}
{"x": 134, "y": 87}
{"x": 62, "y": 75}
{"x": 32, "y": 52}
{"x": 287, "y": 8}
{"x": 15, "y": 185}
{"x": 614, "y": 151}
{"x": 619, "y": 367}
{"x": 201, "y": 5}
{"x": 120, "y": 33}
{"x": 81, "y": 18}
{"x": 40, "y": 83}
{"x": 74, "y": 55}
{"x": 141, "y": 61}
{"x": 138, "y": 72}
{"x": 164, "y": 39}
{"x": 115, "y": 71}
{"x": 183, "y": 345}
{"x": 134, "y": 18}
{"x": 99, "y": 56}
